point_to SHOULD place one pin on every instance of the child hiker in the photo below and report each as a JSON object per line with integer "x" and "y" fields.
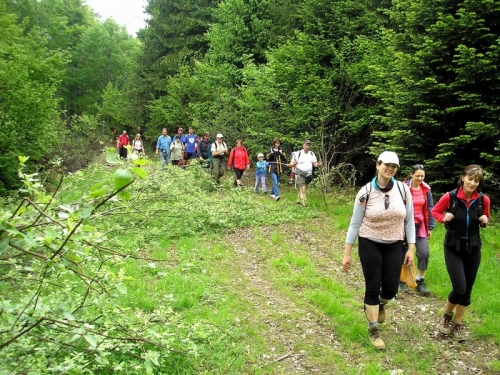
{"x": 261, "y": 173}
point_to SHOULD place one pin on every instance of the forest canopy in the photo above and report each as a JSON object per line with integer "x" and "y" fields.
{"x": 357, "y": 77}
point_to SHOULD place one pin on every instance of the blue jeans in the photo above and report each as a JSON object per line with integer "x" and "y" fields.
{"x": 276, "y": 180}
{"x": 164, "y": 158}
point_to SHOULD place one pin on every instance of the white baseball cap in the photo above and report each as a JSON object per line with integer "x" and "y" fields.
{"x": 219, "y": 136}
{"x": 389, "y": 157}
{"x": 261, "y": 155}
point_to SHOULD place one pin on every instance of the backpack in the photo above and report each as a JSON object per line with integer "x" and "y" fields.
{"x": 366, "y": 196}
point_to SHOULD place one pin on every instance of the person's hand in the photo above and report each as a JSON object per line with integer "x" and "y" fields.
{"x": 346, "y": 263}
{"x": 483, "y": 220}
{"x": 408, "y": 258}
{"x": 320, "y": 164}
{"x": 156, "y": 151}
{"x": 248, "y": 167}
{"x": 448, "y": 217}
{"x": 429, "y": 235}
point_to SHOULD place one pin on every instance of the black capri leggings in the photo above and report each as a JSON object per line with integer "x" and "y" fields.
{"x": 381, "y": 263}
{"x": 462, "y": 269}
{"x": 239, "y": 173}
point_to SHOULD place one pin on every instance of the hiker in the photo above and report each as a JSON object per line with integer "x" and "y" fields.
{"x": 219, "y": 150}
{"x": 190, "y": 145}
{"x": 260, "y": 174}
{"x": 176, "y": 149}
{"x": 276, "y": 158}
{"x": 163, "y": 148}
{"x": 239, "y": 161}
{"x": 424, "y": 222}
{"x": 463, "y": 211}
{"x": 138, "y": 145}
{"x": 180, "y": 134}
{"x": 383, "y": 214}
{"x": 121, "y": 144}
{"x": 203, "y": 149}
{"x": 304, "y": 161}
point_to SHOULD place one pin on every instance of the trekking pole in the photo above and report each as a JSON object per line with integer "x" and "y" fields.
{"x": 323, "y": 188}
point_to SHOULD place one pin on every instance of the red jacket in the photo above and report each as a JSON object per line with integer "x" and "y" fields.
{"x": 123, "y": 140}
{"x": 238, "y": 159}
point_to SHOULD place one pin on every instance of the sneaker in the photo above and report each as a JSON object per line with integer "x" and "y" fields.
{"x": 264, "y": 192}
{"x": 422, "y": 288}
{"x": 457, "y": 330}
{"x": 375, "y": 338}
{"x": 277, "y": 198}
{"x": 273, "y": 196}
{"x": 381, "y": 313}
{"x": 445, "y": 323}
{"x": 403, "y": 287}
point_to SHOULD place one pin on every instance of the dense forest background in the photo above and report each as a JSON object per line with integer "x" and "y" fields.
{"x": 356, "y": 76}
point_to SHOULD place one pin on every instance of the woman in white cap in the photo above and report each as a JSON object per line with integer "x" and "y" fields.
{"x": 382, "y": 216}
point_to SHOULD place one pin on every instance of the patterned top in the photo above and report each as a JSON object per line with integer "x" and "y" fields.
{"x": 379, "y": 224}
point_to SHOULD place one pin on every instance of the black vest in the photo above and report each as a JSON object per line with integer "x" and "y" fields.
{"x": 462, "y": 233}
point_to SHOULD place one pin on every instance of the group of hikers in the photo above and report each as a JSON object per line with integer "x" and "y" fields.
{"x": 391, "y": 219}
{"x": 216, "y": 156}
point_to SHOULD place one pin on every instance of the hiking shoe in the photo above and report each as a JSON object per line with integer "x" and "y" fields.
{"x": 375, "y": 338}
{"x": 422, "y": 288}
{"x": 445, "y": 323}
{"x": 403, "y": 287}
{"x": 273, "y": 196}
{"x": 458, "y": 332}
{"x": 277, "y": 198}
{"x": 381, "y": 313}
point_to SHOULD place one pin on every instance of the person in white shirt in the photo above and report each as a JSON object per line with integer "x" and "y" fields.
{"x": 303, "y": 162}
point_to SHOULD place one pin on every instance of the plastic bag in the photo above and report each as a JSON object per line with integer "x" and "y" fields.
{"x": 408, "y": 275}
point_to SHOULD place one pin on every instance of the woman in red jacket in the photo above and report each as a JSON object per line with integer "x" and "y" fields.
{"x": 239, "y": 161}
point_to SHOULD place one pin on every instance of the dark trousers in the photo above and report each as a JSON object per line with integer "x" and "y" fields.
{"x": 462, "y": 269}
{"x": 381, "y": 265}
{"x": 238, "y": 173}
{"x": 123, "y": 152}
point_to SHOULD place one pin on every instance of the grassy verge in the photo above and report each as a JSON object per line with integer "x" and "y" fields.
{"x": 256, "y": 285}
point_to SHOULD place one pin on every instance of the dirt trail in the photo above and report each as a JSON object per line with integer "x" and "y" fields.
{"x": 291, "y": 326}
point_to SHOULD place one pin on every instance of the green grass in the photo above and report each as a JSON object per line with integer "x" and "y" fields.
{"x": 206, "y": 281}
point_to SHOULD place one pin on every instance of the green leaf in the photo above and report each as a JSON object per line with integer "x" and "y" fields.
{"x": 69, "y": 316}
{"x": 140, "y": 172}
{"x": 124, "y": 194}
{"x": 4, "y": 244}
{"x": 63, "y": 215}
{"x": 85, "y": 212}
{"x": 122, "y": 177}
{"x": 98, "y": 193}
{"x": 91, "y": 340}
{"x": 99, "y": 185}
{"x": 141, "y": 162}
{"x": 122, "y": 288}
{"x": 23, "y": 159}
{"x": 112, "y": 158}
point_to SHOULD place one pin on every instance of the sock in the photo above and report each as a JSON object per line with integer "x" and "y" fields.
{"x": 372, "y": 324}
{"x": 419, "y": 277}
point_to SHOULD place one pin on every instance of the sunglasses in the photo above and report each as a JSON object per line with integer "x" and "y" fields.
{"x": 418, "y": 166}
